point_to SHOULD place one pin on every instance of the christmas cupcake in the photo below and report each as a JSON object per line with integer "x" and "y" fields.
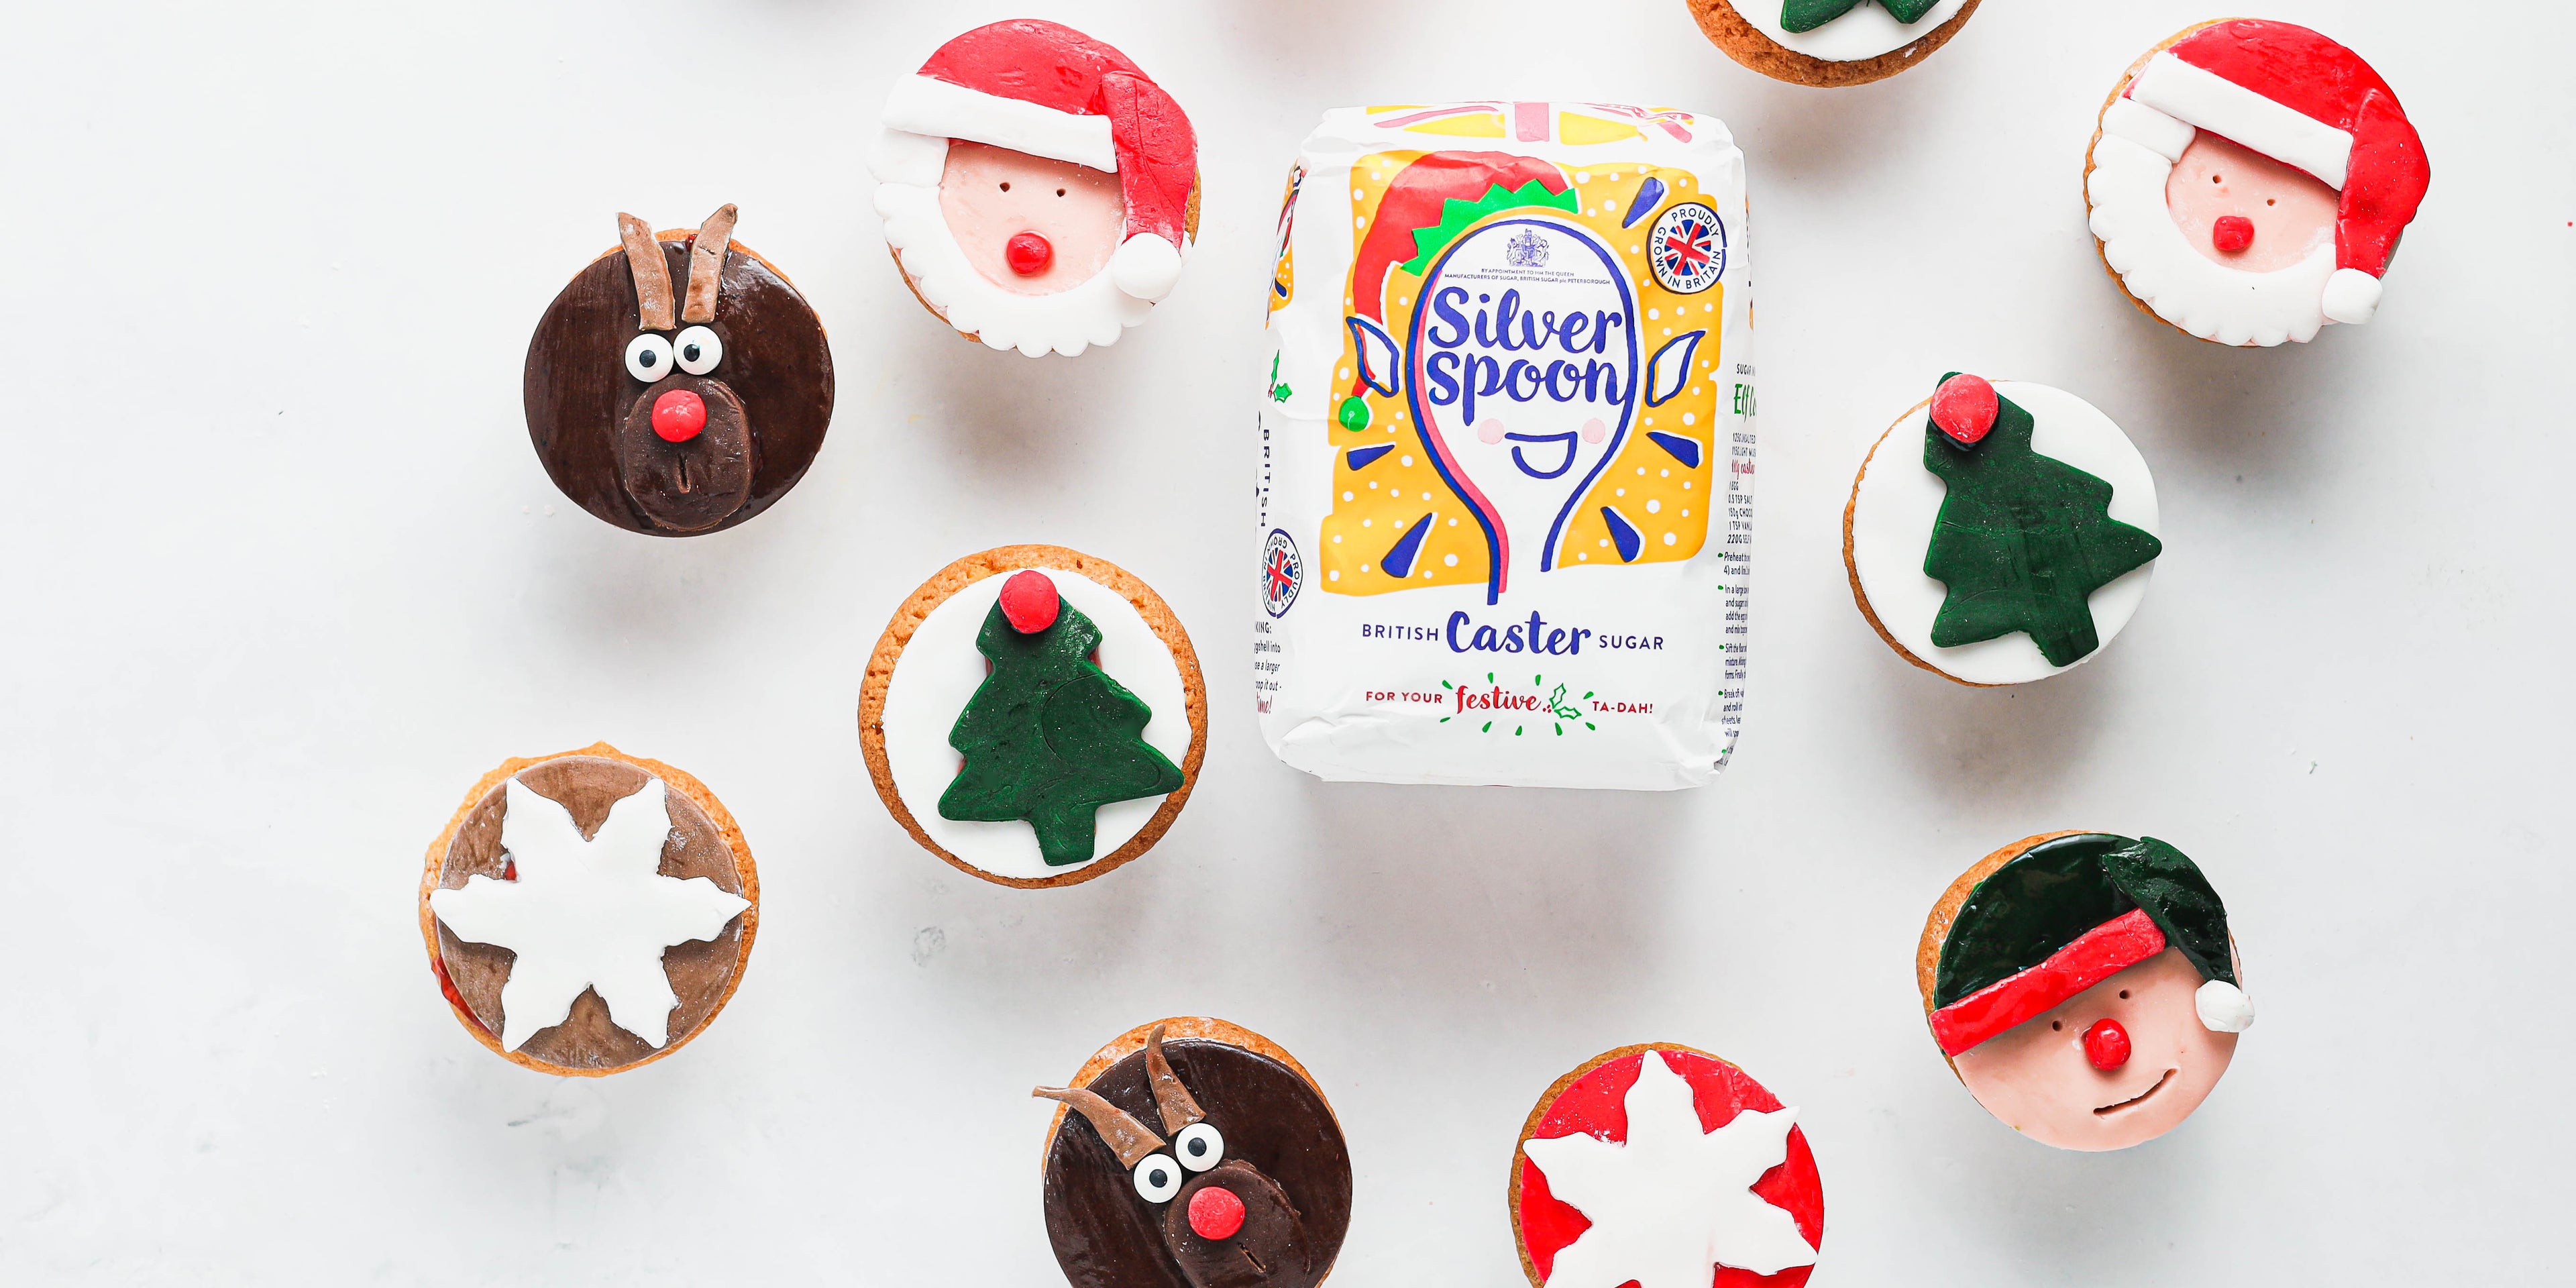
{"x": 2083, "y": 987}
{"x": 2249, "y": 181}
{"x": 1831, "y": 43}
{"x": 1035, "y": 716}
{"x": 1664, "y": 1167}
{"x": 1039, "y": 190}
{"x": 588, "y": 912}
{"x": 2012, "y": 544}
{"x": 1193, "y": 1152}
{"x": 679, "y": 385}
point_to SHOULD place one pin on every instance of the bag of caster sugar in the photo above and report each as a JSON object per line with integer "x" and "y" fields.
{"x": 1506, "y": 475}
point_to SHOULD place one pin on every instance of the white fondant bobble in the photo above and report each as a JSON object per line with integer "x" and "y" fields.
{"x": 1146, "y": 267}
{"x": 2352, "y": 296}
{"x": 2223, "y": 1007}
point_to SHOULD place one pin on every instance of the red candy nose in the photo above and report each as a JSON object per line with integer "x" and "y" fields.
{"x": 678, "y": 415}
{"x": 2231, "y": 234}
{"x": 1215, "y": 1213}
{"x": 1029, "y": 254}
{"x": 2106, "y": 1044}
{"x": 1029, "y": 601}
{"x": 1965, "y": 408}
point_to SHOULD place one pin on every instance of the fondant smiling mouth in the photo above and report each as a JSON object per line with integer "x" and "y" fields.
{"x": 1565, "y": 439}
{"x": 2138, "y": 1099}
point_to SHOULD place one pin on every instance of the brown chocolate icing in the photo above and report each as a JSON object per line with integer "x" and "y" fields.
{"x": 699, "y": 970}
{"x": 584, "y": 409}
{"x": 1285, "y": 1159}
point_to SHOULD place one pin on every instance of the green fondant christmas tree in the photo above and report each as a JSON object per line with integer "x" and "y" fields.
{"x": 1049, "y": 738}
{"x": 1807, "y": 15}
{"x": 2023, "y": 540}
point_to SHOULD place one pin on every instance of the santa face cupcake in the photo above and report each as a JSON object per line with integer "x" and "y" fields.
{"x": 1039, "y": 190}
{"x": 679, "y": 387}
{"x": 1661, "y": 1165}
{"x": 2084, "y": 987}
{"x": 1831, "y": 43}
{"x": 2000, "y": 532}
{"x": 588, "y": 912}
{"x": 1193, "y": 1151}
{"x": 1035, "y": 716}
{"x": 2249, "y": 182}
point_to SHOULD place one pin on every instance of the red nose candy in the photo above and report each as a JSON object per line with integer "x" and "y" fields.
{"x": 2231, "y": 234}
{"x": 1215, "y": 1213}
{"x": 1030, "y": 602}
{"x": 1965, "y": 407}
{"x": 1029, "y": 254}
{"x": 678, "y": 415}
{"x": 2106, "y": 1044}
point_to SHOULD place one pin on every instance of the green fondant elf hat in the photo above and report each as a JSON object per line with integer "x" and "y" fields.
{"x": 2067, "y": 914}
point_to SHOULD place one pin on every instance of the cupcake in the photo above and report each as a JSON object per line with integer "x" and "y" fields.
{"x": 1830, "y": 43}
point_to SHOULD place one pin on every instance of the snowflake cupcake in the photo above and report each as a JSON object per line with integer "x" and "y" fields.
{"x": 1661, "y": 1165}
{"x": 1830, "y": 43}
{"x": 588, "y": 912}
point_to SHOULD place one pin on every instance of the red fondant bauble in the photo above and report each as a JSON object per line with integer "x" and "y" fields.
{"x": 1965, "y": 407}
{"x": 1029, "y": 601}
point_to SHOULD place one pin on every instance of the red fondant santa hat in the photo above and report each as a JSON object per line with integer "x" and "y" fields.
{"x": 1048, "y": 90}
{"x": 2307, "y": 102}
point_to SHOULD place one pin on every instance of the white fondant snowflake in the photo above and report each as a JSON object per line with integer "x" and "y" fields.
{"x": 591, "y": 913}
{"x": 1673, "y": 1203}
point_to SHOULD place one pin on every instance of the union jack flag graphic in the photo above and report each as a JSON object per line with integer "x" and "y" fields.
{"x": 1689, "y": 248}
{"x": 1282, "y": 572}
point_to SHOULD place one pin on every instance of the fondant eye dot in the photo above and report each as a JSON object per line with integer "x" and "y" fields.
{"x": 648, "y": 357}
{"x": 699, "y": 350}
{"x": 1158, "y": 1178}
{"x": 1199, "y": 1146}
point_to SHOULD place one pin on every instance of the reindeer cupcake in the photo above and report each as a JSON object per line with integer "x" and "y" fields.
{"x": 677, "y": 410}
{"x": 1246, "y": 1185}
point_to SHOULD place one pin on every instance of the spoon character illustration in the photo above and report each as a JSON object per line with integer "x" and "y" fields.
{"x": 679, "y": 385}
{"x": 1246, "y": 1185}
{"x": 2084, "y": 987}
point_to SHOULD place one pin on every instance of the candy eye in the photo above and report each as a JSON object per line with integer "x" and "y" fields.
{"x": 648, "y": 357}
{"x": 1158, "y": 1178}
{"x": 1200, "y": 1147}
{"x": 700, "y": 350}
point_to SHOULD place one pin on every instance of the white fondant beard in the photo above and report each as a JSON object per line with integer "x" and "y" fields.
{"x": 1866, "y": 32}
{"x": 1067, "y": 322}
{"x": 940, "y": 669}
{"x": 2158, "y": 264}
{"x": 1898, "y": 501}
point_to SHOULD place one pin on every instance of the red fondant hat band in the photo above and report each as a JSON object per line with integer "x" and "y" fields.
{"x": 2101, "y": 953}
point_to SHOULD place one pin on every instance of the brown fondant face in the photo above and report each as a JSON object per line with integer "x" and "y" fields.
{"x": 991, "y": 195}
{"x": 2037, "y": 1078}
{"x": 2291, "y": 212}
{"x": 1284, "y": 1159}
{"x": 699, "y": 970}
{"x": 768, "y": 400}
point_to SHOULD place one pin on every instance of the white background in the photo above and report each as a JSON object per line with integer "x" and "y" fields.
{"x": 283, "y": 578}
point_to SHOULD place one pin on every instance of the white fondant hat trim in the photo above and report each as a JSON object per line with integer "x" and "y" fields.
{"x": 2208, "y": 101}
{"x": 2148, "y": 128}
{"x": 928, "y": 105}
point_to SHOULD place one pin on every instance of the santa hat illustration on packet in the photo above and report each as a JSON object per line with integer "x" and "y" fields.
{"x": 1040, "y": 191}
{"x": 2251, "y": 181}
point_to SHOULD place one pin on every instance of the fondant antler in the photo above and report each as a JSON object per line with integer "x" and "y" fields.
{"x": 1129, "y": 1139}
{"x": 706, "y": 265}
{"x": 1173, "y": 1099}
{"x": 652, "y": 275}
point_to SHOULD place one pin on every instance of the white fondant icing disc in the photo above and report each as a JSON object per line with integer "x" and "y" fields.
{"x": 1866, "y": 32}
{"x": 1898, "y": 501}
{"x": 940, "y": 669}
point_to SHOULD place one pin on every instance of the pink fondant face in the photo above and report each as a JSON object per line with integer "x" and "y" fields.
{"x": 2037, "y": 1077}
{"x": 1030, "y": 225}
{"x": 2286, "y": 214}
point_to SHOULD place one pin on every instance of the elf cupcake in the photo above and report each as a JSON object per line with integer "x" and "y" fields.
{"x": 2000, "y": 532}
{"x": 588, "y": 912}
{"x": 1831, "y": 43}
{"x": 2084, "y": 987}
{"x": 2249, "y": 182}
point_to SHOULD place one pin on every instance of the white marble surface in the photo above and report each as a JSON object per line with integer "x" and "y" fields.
{"x": 284, "y": 578}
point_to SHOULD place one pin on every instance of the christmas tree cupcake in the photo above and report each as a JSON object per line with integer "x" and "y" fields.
{"x": 1035, "y": 716}
{"x": 2249, "y": 181}
{"x": 588, "y": 912}
{"x": 1831, "y": 42}
{"x": 1192, "y": 1153}
{"x": 679, "y": 385}
{"x": 2013, "y": 543}
{"x": 1664, "y": 1167}
{"x": 1039, "y": 190}
{"x": 2084, "y": 987}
